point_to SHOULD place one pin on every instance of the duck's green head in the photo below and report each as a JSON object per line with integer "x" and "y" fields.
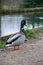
{"x": 23, "y": 22}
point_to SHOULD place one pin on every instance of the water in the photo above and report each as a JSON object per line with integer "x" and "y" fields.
{"x": 10, "y": 24}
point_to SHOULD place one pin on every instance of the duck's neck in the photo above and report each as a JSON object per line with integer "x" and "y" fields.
{"x": 23, "y": 32}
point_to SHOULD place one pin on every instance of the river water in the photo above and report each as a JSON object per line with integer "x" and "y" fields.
{"x": 10, "y": 24}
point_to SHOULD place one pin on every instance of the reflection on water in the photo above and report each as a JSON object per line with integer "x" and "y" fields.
{"x": 11, "y": 23}
{"x": 35, "y": 20}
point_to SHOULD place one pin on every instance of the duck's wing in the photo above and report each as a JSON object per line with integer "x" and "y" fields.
{"x": 15, "y": 37}
{"x": 19, "y": 40}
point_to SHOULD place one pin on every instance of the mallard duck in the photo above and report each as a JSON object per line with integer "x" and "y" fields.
{"x": 16, "y": 40}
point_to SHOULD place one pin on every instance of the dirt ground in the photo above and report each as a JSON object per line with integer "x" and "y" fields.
{"x": 30, "y": 54}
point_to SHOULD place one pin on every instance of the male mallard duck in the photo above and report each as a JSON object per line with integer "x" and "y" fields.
{"x": 16, "y": 40}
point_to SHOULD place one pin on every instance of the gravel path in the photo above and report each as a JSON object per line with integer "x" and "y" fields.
{"x": 30, "y": 54}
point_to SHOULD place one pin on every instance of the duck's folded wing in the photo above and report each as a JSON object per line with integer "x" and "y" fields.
{"x": 15, "y": 37}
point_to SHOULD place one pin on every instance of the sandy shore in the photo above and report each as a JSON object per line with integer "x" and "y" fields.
{"x": 30, "y": 54}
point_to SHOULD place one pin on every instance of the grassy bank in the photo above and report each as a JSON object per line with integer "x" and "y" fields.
{"x": 32, "y": 33}
{"x": 39, "y": 31}
{"x": 2, "y": 44}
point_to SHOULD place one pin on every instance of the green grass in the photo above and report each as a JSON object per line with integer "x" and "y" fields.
{"x": 39, "y": 31}
{"x": 30, "y": 33}
{"x": 2, "y": 44}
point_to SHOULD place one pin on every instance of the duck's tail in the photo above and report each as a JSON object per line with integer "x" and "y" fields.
{"x": 8, "y": 44}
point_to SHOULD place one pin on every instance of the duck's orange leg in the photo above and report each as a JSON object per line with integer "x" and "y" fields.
{"x": 17, "y": 48}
